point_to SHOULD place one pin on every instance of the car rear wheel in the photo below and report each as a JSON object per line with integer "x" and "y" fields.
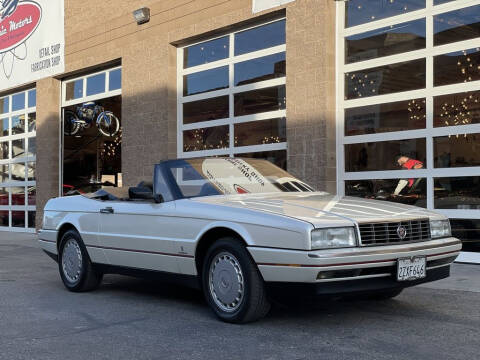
{"x": 232, "y": 284}
{"x": 76, "y": 269}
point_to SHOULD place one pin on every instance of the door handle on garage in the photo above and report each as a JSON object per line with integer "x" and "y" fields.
{"x": 107, "y": 210}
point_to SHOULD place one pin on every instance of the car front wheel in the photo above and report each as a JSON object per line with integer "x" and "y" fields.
{"x": 76, "y": 269}
{"x": 232, "y": 284}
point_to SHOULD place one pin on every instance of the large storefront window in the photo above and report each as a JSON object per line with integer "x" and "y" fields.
{"x": 365, "y": 11}
{"x": 381, "y": 118}
{"x": 17, "y": 161}
{"x": 232, "y": 95}
{"x": 92, "y": 132}
{"x": 383, "y": 155}
{"x": 385, "y": 79}
{"x": 409, "y": 98}
{"x": 386, "y": 41}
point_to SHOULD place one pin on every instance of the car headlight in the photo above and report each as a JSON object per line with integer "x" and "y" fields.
{"x": 334, "y": 238}
{"x": 440, "y": 228}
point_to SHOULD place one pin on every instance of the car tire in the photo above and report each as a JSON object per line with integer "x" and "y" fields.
{"x": 75, "y": 266}
{"x": 386, "y": 294}
{"x": 232, "y": 284}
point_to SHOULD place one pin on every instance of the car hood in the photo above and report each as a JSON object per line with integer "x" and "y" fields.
{"x": 319, "y": 208}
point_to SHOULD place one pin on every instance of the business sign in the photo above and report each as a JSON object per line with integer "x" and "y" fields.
{"x": 32, "y": 41}
{"x": 261, "y": 5}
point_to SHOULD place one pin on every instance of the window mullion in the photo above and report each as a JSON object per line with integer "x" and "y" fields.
{"x": 429, "y": 103}
{"x": 231, "y": 84}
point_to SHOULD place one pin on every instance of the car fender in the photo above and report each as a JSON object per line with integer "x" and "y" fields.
{"x": 238, "y": 228}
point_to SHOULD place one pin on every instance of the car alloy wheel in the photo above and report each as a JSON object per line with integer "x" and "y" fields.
{"x": 76, "y": 269}
{"x": 232, "y": 283}
{"x": 72, "y": 261}
{"x": 226, "y": 282}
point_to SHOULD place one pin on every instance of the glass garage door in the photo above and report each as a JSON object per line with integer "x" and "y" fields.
{"x": 17, "y": 161}
{"x": 232, "y": 97}
{"x": 409, "y": 107}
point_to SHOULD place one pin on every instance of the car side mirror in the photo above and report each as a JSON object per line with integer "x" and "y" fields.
{"x": 140, "y": 193}
{"x": 158, "y": 198}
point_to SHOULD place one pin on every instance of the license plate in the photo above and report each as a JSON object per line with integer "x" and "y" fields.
{"x": 409, "y": 269}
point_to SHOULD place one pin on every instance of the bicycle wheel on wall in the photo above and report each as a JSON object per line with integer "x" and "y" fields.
{"x": 71, "y": 126}
{"x": 108, "y": 124}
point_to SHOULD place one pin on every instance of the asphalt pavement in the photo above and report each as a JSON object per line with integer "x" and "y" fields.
{"x": 135, "y": 319}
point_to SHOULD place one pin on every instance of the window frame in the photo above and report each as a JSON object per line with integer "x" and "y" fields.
{"x": 25, "y": 160}
{"x": 231, "y": 120}
{"x": 84, "y": 98}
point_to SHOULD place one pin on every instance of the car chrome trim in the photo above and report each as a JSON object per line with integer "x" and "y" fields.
{"x": 353, "y": 278}
{"x": 47, "y": 241}
{"x": 438, "y": 266}
{"x": 373, "y": 275}
{"x": 386, "y": 251}
{"x": 395, "y": 232}
{"x": 394, "y": 219}
{"x": 139, "y": 251}
{"x": 353, "y": 263}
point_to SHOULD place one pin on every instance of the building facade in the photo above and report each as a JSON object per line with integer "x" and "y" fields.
{"x": 344, "y": 94}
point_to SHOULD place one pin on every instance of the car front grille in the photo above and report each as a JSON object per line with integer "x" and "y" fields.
{"x": 389, "y": 233}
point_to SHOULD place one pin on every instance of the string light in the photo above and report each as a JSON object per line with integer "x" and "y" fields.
{"x": 362, "y": 84}
{"x": 460, "y": 113}
{"x": 271, "y": 140}
{"x": 199, "y": 142}
{"x": 112, "y": 148}
{"x": 416, "y": 108}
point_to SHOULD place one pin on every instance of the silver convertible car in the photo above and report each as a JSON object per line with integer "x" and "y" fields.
{"x": 241, "y": 230}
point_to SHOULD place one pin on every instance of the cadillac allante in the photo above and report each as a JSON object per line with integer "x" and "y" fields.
{"x": 241, "y": 230}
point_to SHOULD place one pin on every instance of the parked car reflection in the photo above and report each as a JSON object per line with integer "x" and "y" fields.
{"x": 384, "y": 189}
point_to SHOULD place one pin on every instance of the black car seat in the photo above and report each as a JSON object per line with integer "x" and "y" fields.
{"x": 146, "y": 184}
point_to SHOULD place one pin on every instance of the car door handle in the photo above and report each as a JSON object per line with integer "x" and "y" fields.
{"x": 107, "y": 210}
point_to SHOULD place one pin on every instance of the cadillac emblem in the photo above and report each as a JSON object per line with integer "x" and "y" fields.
{"x": 402, "y": 232}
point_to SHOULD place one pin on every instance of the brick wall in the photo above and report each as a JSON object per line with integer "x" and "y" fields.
{"x": 310, "y": 92}
{"x": 47, "y": 170}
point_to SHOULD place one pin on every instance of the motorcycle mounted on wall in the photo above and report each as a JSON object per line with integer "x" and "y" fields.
{"x": 86, "y": 115}
{"x": 7, "y": 8}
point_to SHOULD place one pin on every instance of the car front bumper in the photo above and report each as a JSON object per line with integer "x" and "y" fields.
{"x": 355, "y": 269}
{"x": 364, "y": 286}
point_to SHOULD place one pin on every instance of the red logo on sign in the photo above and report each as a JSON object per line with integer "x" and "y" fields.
{"x": 20, "y": 25}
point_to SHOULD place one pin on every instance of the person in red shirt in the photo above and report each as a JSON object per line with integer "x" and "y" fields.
{"x": 409, "y": 164}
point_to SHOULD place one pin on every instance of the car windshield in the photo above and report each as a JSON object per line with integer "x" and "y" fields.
{"x": 226, "y": 176}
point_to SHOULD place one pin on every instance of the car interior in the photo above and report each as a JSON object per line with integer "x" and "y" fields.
{"x": 142, "y": 192}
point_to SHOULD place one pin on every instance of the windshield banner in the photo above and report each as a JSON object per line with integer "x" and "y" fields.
{"x": 235, "y": 176}
{"x": 32, "y": 41}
